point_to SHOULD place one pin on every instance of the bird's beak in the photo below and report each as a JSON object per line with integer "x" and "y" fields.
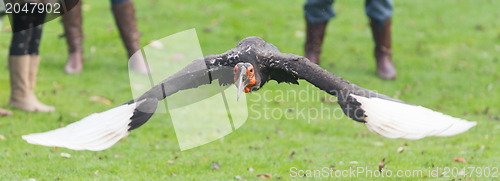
{"x": 242, "y": 81}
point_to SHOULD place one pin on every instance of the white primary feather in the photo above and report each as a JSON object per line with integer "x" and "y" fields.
{"x": 95, "y": 132}
{"x": 398, "y": 120}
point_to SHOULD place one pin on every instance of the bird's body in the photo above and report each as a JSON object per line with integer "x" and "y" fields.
{"x": 250, "y": 65}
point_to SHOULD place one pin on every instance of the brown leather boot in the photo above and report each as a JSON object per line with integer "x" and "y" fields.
{"x": 314, "y": 39}
{"x": 22, "y": 72}
{"x": 126, "y": 22}
{"x": 382, "y": 39}
{"x": 72, "y": 22}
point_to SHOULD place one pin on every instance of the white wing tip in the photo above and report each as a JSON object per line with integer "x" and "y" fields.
{"x": 398, "y": 120}
{"x": 95, "y": 132}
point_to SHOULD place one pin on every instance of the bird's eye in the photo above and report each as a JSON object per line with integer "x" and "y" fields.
{"x": 251, "y": 70}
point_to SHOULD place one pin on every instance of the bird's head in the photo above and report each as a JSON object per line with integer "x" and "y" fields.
{"x": 245, "y": 77}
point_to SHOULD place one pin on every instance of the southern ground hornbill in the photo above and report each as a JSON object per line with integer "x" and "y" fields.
{"x": 249, "y": 66}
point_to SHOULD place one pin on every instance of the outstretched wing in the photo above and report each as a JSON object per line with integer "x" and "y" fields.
{"x": 102, "y": 130}
{"x": 218, "y": 67}
{"x": 381, "y": 114}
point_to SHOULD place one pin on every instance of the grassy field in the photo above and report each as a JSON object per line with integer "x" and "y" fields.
{"x": 446, "y": 52}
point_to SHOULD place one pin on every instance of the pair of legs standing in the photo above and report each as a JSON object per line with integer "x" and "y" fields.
{"x": 319, "y": 12}
{"x": 24, "y": 59}
{"x": 123, "y": 11}
{"x": 24, "y": 62}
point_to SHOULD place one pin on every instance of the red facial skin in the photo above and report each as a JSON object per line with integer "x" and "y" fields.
{"x": 251, "y": 76}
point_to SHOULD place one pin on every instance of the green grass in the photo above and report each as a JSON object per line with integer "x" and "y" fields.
{"x": 446, "y": 52}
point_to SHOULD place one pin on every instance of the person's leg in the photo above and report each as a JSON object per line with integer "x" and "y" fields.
{"x": 72, "y": 21}
{"x": 22, "y": 67}
{"x": 34, "y": 64}
{"x": 380, "y": 12}
{"x": 317, "y": 14}
{"x": 124, "y": 13}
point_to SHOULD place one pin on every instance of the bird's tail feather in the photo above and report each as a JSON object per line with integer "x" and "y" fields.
{"x": 95, "y": 132}
{"x": 398, "y": 120}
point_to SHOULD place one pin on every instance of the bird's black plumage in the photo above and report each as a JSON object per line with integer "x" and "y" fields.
{"x": 269, "y": 63}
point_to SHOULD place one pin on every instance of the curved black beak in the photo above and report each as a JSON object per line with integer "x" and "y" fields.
{"x": 242, "y": 81}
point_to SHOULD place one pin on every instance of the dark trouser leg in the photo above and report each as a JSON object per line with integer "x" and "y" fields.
{"x": 72, "y": 21}
{"x": 124, "y": 13}
{"x": 380, "y": 12}
{"x": 317, "y": 14}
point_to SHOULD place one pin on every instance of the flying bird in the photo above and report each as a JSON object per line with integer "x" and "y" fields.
{"x": 249, "y": 66}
